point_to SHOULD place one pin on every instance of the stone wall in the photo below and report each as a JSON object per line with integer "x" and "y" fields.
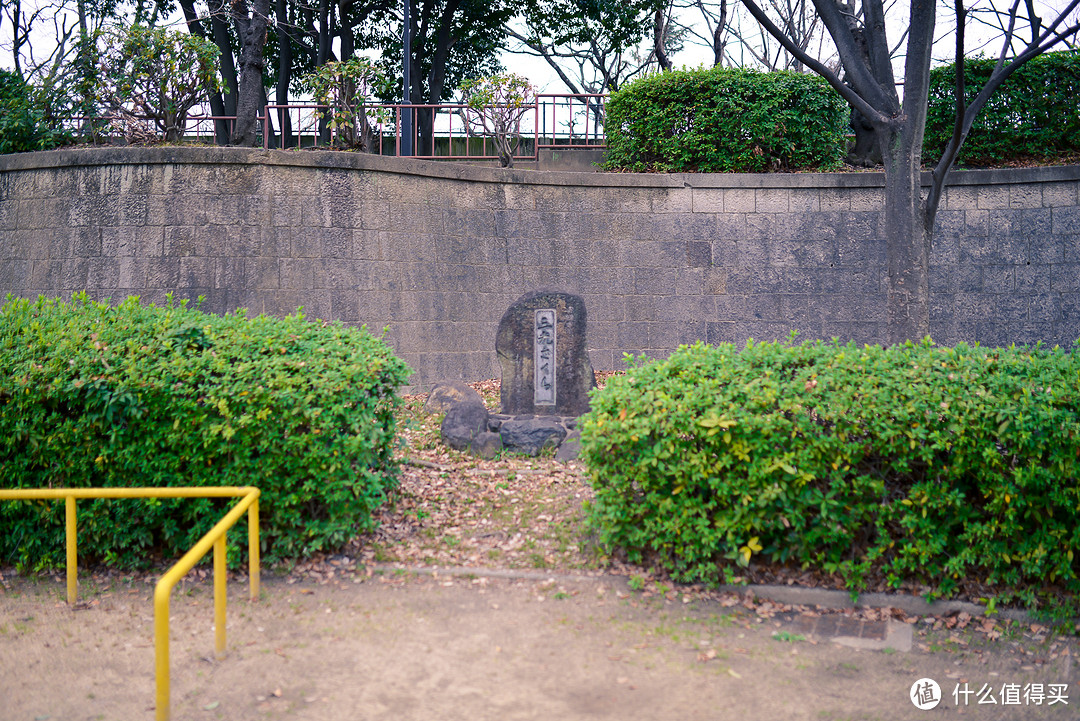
{"x": 435, "y": 252}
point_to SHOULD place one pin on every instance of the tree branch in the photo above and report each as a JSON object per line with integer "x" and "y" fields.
{"x": 854, "y": 98}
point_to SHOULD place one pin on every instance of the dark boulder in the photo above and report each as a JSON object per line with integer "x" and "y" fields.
{"x": 462, "y": 423}
{"x": 530, "y": 436}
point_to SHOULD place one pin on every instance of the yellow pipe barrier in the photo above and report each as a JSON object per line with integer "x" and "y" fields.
{"x": 215, "y": 538}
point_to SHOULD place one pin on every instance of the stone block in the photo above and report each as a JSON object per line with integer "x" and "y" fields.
{"x": 707, "y": 200}
{"x": 1025, "y": 196}
{"x": 182, "y": 240}
{"x": 999, "y": 278}
{"x": 672, "y": 200}
{"x": 196, "y": 272}
{"x": 654, "y": 281}
{"x": 1066, "y": 221}
{"x": 1059, "y": 194}
{"x": 720, "y": 332}
{"x": 992, "y": 196}
{"x": 1065, "y": 277}
{"x": 162, "y": 273}
{"x": 739, "y": 200}
{"x": 771, "y": 200}
{"x": 804, "y": 200}
{"x": 1032, "y": 279}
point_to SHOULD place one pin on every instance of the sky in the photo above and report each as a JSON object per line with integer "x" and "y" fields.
{"x": 546, "y": 80}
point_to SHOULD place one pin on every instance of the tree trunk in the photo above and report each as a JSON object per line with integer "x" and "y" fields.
{"x": 907, "y": 240}
{"x": 866, "y": 152}
{"x": 252, "y": 31}
{"x": 285, "y": 40}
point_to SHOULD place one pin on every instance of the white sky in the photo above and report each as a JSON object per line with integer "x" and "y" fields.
{"x": 546, "y": 80}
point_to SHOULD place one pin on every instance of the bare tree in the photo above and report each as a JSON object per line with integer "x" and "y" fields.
{"x": 898, "y": 125}
{"x": 591, "y": 46}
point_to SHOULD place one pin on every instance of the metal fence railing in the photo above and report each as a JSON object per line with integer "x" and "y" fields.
{"x": 438, "y": 131}
{"x": 214, "y": 539}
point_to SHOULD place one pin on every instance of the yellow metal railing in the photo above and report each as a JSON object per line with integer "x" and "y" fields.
{"x": 249, "y": 501}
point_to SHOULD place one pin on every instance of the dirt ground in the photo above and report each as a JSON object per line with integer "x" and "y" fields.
{"x": 405, "y": 646}
{"x": 543, "y": 626}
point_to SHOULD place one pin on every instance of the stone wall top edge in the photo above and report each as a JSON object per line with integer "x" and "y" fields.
{"x": 453, "y": 171}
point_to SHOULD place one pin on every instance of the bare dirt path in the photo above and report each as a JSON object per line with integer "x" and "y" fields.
{"x": 543, "y": 626}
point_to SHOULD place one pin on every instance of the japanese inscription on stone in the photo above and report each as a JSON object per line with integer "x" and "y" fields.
{"x": 542, "y": 353}
{"x": 544, "y": 358}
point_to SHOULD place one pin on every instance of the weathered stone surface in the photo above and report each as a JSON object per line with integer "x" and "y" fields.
{"x": 530, "y": 436}
{"x": 570, "y": 448}
{"x": 515, "y": 346}
{"x": 446, "y": 394}
{"x": 462, "y": 423}
{"x": 486, "y": 445}
{"x": 495, "y": 421}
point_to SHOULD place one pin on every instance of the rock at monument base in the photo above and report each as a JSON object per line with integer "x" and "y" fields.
{"x": 531, "y": 436}
{"x": 462, "y": 423}
{"x": 446, "y": 394}
{"x": 561, "y": 326}
{"x": 486, "y": 445}
{"x": 570, "y": 448}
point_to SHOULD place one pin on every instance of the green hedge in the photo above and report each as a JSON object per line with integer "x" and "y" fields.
{"x": 134, "y": 395}
{"x": 725, "y": 120}
{"x": 1034, "y": 115}
{"x": 941, "y": 465}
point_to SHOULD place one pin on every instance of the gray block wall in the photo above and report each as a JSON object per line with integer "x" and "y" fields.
{"x": 435, "y": 252}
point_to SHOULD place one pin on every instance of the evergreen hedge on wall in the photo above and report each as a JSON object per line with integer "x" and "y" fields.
{"x": 944, "y": 466}
{"x": 1034, "y": 115}
{"x": 136, "y": 395}
{"x": 725, "y": 120}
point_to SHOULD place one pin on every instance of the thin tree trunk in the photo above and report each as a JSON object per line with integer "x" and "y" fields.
{"x": 907, "y": 241}
{"x": 284, "y": 70}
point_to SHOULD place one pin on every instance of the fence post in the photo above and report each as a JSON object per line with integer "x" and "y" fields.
{"x": 71, "y": 530}
{"x": 220, "y": 594}
{"x": 253, "y": 548}
{"x": 161, "y": 650}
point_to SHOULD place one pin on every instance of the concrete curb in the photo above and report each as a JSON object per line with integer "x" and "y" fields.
{"x": 790, "y": 595}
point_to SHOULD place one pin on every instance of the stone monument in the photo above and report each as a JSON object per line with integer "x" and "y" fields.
{"x": 541, "y": 349}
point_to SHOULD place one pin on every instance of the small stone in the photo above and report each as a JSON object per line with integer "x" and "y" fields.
{"x": 530, "y": 436}
{"x": 447, "y": 393}
{"x": 570, "y": 448}
{"x": 486, "y": 445}
{"x": 462, "y": 423}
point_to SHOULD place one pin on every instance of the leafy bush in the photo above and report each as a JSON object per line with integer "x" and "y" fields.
{"x": 725, "y": 120}
{"x": 937, "y": 465}
{"x": 345, "y": 87}
{"x": 1034, "y": 115}
{"x": 21, "y": 124}
{"x": 133, "y": 396}
{"x": 495, "y": 107}
{"x": 153, "y": 77}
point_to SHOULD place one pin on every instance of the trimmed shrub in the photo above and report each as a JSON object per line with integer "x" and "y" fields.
{"x": 1033, "y": 116}
{"x": 725, "y": 120}
{"x": 937, "y": 465}
{"x": 133, "y": 396}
